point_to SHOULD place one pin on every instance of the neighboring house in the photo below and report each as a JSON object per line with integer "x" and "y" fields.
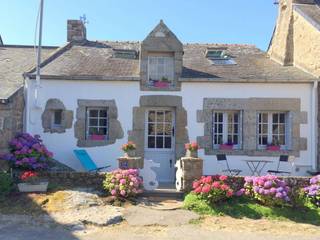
{"x": 296, "y": 42}
{"x": 161, "y": 94}
{"x": 14, "y": 60}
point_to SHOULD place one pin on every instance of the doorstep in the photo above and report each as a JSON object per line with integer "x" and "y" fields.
{"x": 165, "y": 190}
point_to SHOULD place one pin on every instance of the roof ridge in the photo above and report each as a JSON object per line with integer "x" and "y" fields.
{"x": 26, "y": 46}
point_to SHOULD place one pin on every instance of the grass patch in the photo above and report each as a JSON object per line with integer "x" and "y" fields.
{"x": 242, "y": 207}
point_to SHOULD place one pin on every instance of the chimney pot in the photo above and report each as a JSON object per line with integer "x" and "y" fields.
{"x": 76, "y": 31}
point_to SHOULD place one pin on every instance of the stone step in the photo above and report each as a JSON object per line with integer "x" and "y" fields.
{"x": 164, "y": 193}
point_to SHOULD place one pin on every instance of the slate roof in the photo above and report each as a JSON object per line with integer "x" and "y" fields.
{"x": 310, "y": 11}
{"x": 95, "y": 61}
{"x": 14, "y": 61}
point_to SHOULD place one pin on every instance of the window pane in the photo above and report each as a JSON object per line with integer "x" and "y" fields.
{"x": 167, "y": 142}
{"x": 93, "y": 122}
{"x": 220, "y": 117}
{"x": 275, "y": 129}
{"x": 275, "y": 118}
{"x": 151, "y": 116}
{"x": 160, "y": 117}
{"x": 265, "y": 117}
{"x": 151, "y": 142}
{"x": 168, "y": 116}
{"x": 220, "y": 127}
{"x": 220, "y": 139}
{"x": 93, "y": 130}
{"x": 167, "y": 129}
{"x": 160, "y": 130}
{"x": 282, "y": 140}
{"x": 282, "y": 129}
{"x": 264, "y": 140}
{"x": 236, "y": 128}
{"x": 235, "y": 139}
{"x": 93, "y": 113}
{"x": 103, "y": 113}
{"x": 159, "y": 142}
{"x": 102, "y": 131}
{"x": 103, "y": 122}
{"x": 282, "y": 118}
{"x": 151, "y": 129}
{"x": 236, "y": 117}
{"x": 57, "y": 117}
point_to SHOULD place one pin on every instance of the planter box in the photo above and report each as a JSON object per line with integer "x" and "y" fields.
{"x": 161, "y": 84}
{"x": 97, "y": 137}
{"x": 226, "y": 147}
{"x": 273, "y": 148}
{"x": 27, "y": 187}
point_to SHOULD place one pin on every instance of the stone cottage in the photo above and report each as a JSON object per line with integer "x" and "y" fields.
{"x": 14, "y": 61}
{"x": 162, "y": 93}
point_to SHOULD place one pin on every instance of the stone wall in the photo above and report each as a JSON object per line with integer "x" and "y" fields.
{"x": 76, "y": 30}
{"x": 249, "y": 108}
{"x": 12, "y": 114}
{"x": 306, "y": 46}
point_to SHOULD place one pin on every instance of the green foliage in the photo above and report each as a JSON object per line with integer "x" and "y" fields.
{"x": 245, "y": 207}
{"x": 6, "y": 183}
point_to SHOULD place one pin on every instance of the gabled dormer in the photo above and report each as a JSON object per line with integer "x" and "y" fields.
{"x": 161, "y": 56}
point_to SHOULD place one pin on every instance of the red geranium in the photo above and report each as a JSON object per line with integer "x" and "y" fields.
{"x": 28, "y": 176}
{"x": 193, "y": 146}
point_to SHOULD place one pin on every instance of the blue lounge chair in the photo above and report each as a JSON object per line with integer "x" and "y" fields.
{"x": 86, "y": 161}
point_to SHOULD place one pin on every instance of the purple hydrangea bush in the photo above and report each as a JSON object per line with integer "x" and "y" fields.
{"x": 123, "y": 183}
{"x": 312, "y": 192}
{"x": 28, "y": 152}
{"x": 269, "y": 190}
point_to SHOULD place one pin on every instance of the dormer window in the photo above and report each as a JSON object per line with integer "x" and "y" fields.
{"x": 125, "y": 53}
{"x": 160, "y": 70}
{"x": 218, "y": 56}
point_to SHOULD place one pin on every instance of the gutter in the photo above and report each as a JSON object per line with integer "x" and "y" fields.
{"x": 314, "y": 128}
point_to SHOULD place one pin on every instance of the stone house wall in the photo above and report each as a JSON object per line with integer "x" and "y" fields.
{"x": 12, "y": 114}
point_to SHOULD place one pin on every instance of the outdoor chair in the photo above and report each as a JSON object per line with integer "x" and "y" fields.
{"x": 87, "y": 162}
{"x": 282, "y": 159}
{"x": 232, "y": 172}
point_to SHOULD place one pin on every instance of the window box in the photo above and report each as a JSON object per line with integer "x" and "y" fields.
{"x": 161, "y": 84}
{"x": 96, "y": 137}
{"x": 273, "y": 148}
{"x": 226, "y": 146}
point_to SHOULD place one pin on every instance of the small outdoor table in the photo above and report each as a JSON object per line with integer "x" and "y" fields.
{"x": 256, "y": 166}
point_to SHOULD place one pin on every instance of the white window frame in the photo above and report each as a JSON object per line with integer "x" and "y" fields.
{"x": 88, "y": 126}
{"x": 270, "y": 132}
{"x": 225, "y": 132}
{"x": 168, "y": 68}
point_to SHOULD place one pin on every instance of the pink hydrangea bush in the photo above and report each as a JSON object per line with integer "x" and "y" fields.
{"x": 269, "y": 190}
{"x": 213, "y": 188}
{"x": 312, "y": 192}
{"x": 123, "y": 183}
{"x": 28, "y": 152}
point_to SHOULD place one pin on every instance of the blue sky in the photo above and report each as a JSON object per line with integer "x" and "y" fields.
{"x": 203, "y": 21}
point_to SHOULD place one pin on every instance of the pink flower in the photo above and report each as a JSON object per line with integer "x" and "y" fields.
{"x": 207, "y": 179}
{"x": 216, "y": 184}
{"x": 123, "y": 181}
{"x": 223, "y": 178}
{"x": 224, "y": 187}
{"x": 195, "y": 184}
{"x": 206, "y": 188}
{"x": 113, "y": 192}
{"x": 229, "y": 193}
{"x": 197, "y": 190}
{"x": 122, "y": 192}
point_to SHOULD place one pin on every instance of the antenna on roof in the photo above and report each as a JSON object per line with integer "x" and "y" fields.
{"x": 83, "y": 18}
{"x": 276, "y": 2}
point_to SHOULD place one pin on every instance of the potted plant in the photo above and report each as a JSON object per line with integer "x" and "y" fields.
{"x": 129, "y": 149}
{"x": 163, "y": 83}
{"x": 226, "y": 146}
{"x": 192, "y": 149}
{"x": 32, "y": 183}
{"x": 274, "y": 146}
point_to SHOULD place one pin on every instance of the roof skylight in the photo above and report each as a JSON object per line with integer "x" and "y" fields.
{"x": 218, "y": 56}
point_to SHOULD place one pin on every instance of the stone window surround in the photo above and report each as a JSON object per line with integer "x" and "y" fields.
{"x": 47, "y": 117}
{"x": 250, "y": 107}
{"x": 137, "y": 135}
{"x": 115, "y": 130}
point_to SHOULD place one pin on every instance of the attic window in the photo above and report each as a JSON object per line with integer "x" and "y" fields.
{"x": 219, "y": 57}
{"x": 125, "y": 53}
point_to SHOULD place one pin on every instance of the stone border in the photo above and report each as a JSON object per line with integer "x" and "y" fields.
{"x": 249, "y": 108}
{"x": 48, "y": 114}
{"x": 114, "y": 128}
{"x": 137, "y": 135}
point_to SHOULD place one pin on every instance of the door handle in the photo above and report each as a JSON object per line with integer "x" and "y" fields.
{"x": 170, "y": 163}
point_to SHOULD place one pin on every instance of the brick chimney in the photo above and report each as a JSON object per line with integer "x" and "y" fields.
{"x": 76, "y": 31}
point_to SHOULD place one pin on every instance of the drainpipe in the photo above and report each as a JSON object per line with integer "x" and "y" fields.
{"x": 314, "y": 128}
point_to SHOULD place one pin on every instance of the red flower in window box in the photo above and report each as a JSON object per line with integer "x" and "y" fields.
{"x": 96, "y": 137}
{"x": 273, "y": 148}
{"x": 161, "y": 84}
{"x": 226, "y": 146}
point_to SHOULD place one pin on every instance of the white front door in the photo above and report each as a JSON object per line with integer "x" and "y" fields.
{"x": 160, "y": 142}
